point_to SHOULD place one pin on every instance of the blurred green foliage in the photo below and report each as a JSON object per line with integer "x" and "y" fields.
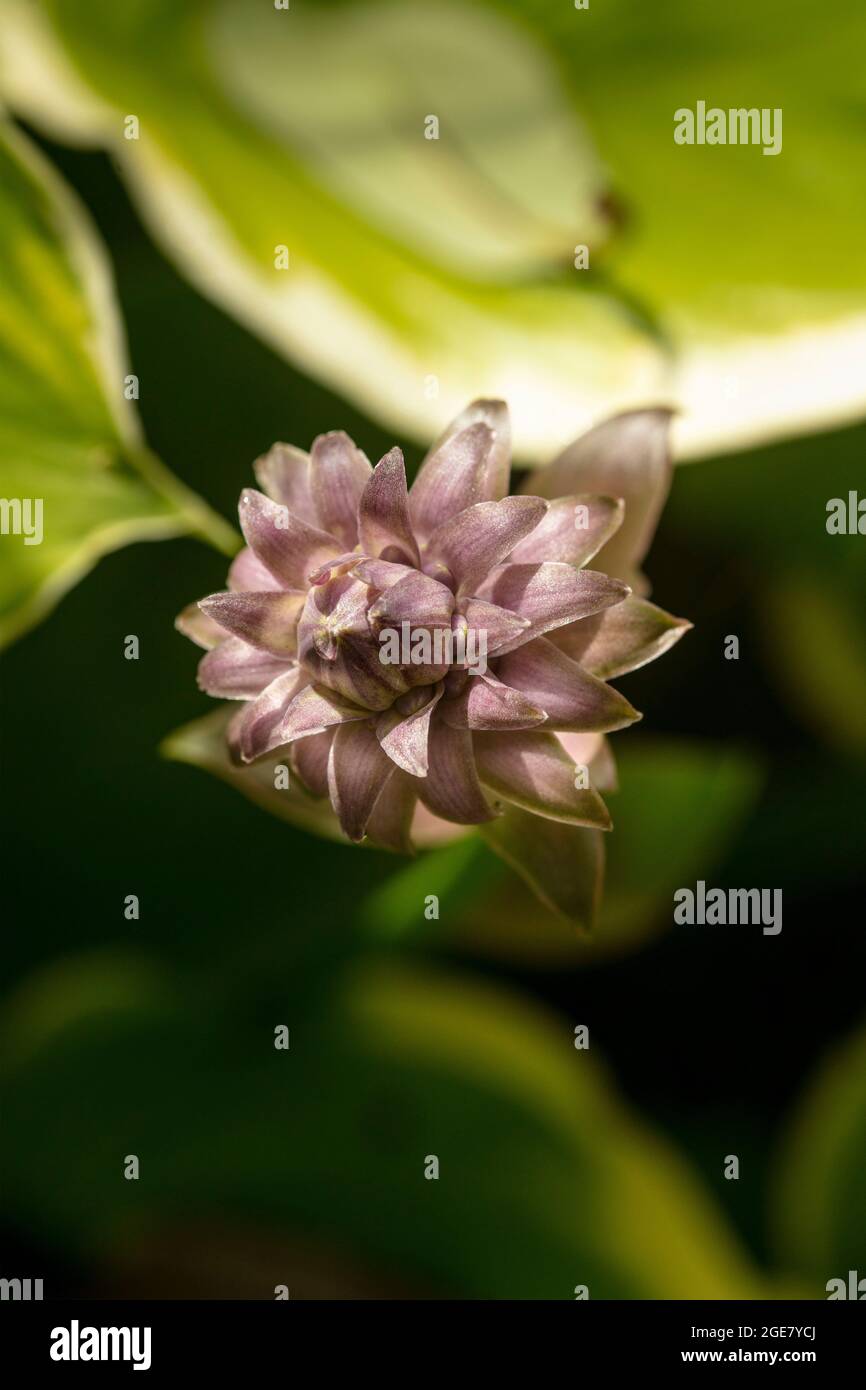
{"x": 820, "y": 1205}
{"x": 699, "y": 796}
{"x": 67, "y": 434}
{"x": 543, "y": 1181}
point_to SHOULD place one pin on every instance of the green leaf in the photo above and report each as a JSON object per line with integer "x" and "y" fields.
{"x": 453, "y": 259}
{"x": 71, "y": 457}
{"x": 545, "y": 1180}
{"x": 820, "y": 1193}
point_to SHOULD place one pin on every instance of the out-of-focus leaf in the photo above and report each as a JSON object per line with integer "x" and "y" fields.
{"x": 69, "y": 445}
{"x": 816, "y": 645}
{"x": 452, "y": 873}
{"x": 820, "y": 1193}
{"x": 562, "y": 864}
{"x": 80, "y": 989}
{"x": 676, "y": 811}
{"x": 768, "y": 336}
{"x": 545, "y": 1181}
{"x": 202, "y": 744}
{"x": 222, "y": 185}
{"x": 478, "y": 198}
{"x": 678, "y": 806}
{"x": 452, "y": 259}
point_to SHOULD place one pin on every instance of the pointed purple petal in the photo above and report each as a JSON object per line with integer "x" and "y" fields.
{"x": 338, "y": 475}
{"x": 253, "y": 729}
{"x": 356, "y": 674}
{"x": 289, "y": 710}
{"x": 381, "y": 574}
{"x": 390, "y": 824}
{"x": 563, "y": 864}
{"x": 573, "y": 699}
{"x": 485, "y": 703}
{"x": 622, "y": 638}
{"x": 451, "y": 788}
{"x": 416, "y": 599}
{"x": 452, "y": 477}
{"x": 206, "y": 744}
{"x": 534, "y": 771}
{"x": 627, "y": 456}
{"x": 284, "y": 474}
{"x": 573, "y": 530}
{"x": 333, "y": 611}
{"x": 414, "y": 615}
{"x": 308, "y": 758}
{"x": 267, "y": 621}
{"x": 308, "y": 710}
{"x": 383, "y": 512}
{"x": 498, "y": 625}
{"x": 338, "y": 647}
{"x": 471, "y": 544}
{"x": 403, "y": 730}
{"x": 248, "y": 573}
{"x": 549, "y": 596}
{"x": 236, "y": 671}
{"x": 358, "y": 773}
{"x": 333, "y": 569}
{"x": 493, "y": 414}
{"x": 287, "y": 546}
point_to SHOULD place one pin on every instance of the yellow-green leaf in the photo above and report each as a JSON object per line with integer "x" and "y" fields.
{"x": 820, "y": 1192}
{"x": 75, "y": 477}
